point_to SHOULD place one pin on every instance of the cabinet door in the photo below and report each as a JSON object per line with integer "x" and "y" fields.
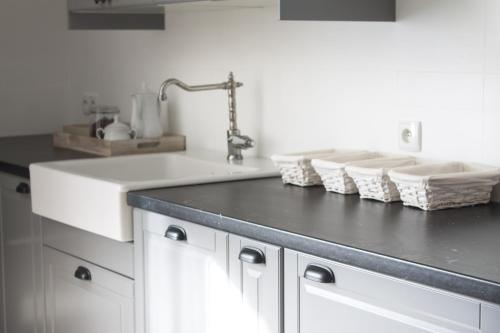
{"x": 83, "y": 298}
{"x": 490, "y": 318}
{"x": 338, "y": 10}
{"x": 324, "y": 296}
{"x": 186, "y": 277}
{"x": 21, "y": 240}
{"x": 255, "y": 274}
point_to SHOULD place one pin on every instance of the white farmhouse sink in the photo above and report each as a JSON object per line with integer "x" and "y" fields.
{"x": 91, "y": 194}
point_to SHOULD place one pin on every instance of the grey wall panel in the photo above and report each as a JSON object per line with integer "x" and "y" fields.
{"x": 338, "y": 10}
{"x": 84, "y": 21}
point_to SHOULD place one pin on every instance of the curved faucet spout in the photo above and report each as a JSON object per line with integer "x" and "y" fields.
{"x": 236, "y": 142}
{"x": 203, "y": 87}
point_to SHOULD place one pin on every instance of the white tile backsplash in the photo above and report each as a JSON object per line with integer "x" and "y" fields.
{"x": 440, "y": 35}
{"x": 441, "y": 92}
{"x": 491, "y": 138}
{"x": 315, "y": 84}
{"x": 492, "y": 36}
{"x": 492, "y": 93}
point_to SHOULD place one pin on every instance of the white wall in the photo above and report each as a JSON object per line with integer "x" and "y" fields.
{"x": 33, "y": 66}
{"x": 307, "y": 84}
{"x": 316, "y": 84}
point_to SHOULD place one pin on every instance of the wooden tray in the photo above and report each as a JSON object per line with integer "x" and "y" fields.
{"x": 76, "y": 137}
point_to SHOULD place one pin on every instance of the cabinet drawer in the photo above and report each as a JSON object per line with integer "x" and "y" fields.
{"x": 197, "y": 236}
{"x": 82, "y": 297}
{"x": 401, "y": 301}
{"x": 102, "y": 251}
{"x": 100, "y": 277}
{"x": 10, "y": 183}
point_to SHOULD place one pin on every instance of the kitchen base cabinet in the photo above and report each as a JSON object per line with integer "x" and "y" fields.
{"x": 490, "y": 318}
{"x": 185, "y": 277}
{"x": 21, "y": 258}
{"x": 83, "y": 298}
{"x": 255, "y": 275}
{"x": 325, "y": 296}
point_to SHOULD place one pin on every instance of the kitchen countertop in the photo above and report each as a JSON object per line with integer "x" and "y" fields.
{"x": 17, "y": 153}
{"x": 456, "y": 250}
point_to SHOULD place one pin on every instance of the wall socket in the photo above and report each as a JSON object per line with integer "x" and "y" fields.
{"x": 410, "y": 136}
{"x": 89, "y": 101}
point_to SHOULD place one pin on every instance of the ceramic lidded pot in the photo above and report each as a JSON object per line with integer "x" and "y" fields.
{"x": 116, "y": 131}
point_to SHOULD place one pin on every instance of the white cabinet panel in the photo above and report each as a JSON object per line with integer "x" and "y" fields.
{"x": 490, "y": 318}
{"x": 83, "y": 298}
{"x": 21, "y": 253}
{"x": 186, "y": 277}
{"x": 323, "y": 296}
{"x": 255, "y": 273}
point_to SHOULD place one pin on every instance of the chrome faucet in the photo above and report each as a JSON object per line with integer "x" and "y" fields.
{"x": 236, "y": 142}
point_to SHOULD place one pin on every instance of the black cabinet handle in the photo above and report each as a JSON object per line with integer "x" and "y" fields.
{"x": 83, "y": 274}
{"x": 176, "y": 233}
{"x": 319, "y": 274}
{"x": 23, "y": 188}
{"x": 252, "y": 255}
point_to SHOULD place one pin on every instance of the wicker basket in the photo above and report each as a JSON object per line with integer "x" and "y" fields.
{"x": 333, "y": 173}
{"x": 445, "y": 185}
{"x": 296, "y": 168}
{"x": 372, "y": 180}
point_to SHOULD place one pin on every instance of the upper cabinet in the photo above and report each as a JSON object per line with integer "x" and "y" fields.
{"x": 149, "y": 14}
{"x": 141, "y": 14}
{"x": 100, "y": 5}
{"x": 115, "y": 15}
{"x": 338, "y": 10}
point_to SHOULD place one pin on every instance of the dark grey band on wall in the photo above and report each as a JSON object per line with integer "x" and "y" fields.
{"x": 88, "y": 21}
{"x": 338, "y": 10}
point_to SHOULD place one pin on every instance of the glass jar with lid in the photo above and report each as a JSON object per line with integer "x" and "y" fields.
{"x": 101, "y": 116}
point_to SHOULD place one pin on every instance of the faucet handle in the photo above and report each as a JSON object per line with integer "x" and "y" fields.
{"x": 239, "y": 141}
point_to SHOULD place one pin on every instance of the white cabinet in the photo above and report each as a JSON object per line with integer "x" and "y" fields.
{"x": 490, "y": 318}
{"x": 255, "y": 274}
{"x": 185, "y": 277}
{"x": 325, "y": 296}
{"x": 194, "y": 279}
{"x": 83, "y": 298}
{"x": 20, "y": 240}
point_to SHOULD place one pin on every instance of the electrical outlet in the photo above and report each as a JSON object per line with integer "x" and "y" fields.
{"x": 410, "y": 136}
{"x": 89, "y": 101}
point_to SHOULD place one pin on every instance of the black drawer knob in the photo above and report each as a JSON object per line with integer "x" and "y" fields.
{"x": 23, "y": 188}
{"x": 83, "y": 273}
{"x": 318, "y": 273}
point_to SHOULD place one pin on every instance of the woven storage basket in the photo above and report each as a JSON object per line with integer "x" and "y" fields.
{"x": 371, "y": 177}
{"x": 445, "y": 185}
{"x": 333, "y": 173}
{"x": 296, "y": 168}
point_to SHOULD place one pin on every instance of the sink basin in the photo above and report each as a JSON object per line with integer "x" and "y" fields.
{"x": 91, "y": 194}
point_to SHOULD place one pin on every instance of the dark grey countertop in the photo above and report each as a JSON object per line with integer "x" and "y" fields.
{"x": 456, "y": 250}
{"x": 17, "y": 153}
